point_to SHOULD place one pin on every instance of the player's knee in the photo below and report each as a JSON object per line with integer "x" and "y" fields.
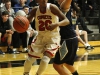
{"x": 48, "y": 54}
{"x": 25, "y": 63}
{"x": 29, "y": 61}
{"x": 46, "y": 59}
{"x": 56, "y": 66}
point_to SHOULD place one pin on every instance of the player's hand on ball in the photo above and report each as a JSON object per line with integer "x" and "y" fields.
{"x": 52, "y": 26}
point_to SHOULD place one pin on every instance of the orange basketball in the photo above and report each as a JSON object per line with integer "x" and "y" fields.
{"x": 20, "y": 24}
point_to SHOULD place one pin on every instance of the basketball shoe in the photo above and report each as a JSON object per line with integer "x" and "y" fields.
{"x": 26, "y": 74}
{"x": 89, "y": 48}
{"x": 1, "y": 52}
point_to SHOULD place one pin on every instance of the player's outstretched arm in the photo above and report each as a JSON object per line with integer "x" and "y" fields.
{"x": 63, "y": 20}
{"x": 65, "y": 5}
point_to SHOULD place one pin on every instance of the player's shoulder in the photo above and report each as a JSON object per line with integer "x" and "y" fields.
{"x": 53, "y": 6}
{"x": 32, "y": 13}
{"x": 54, "y": 9}
{"x": 35, "y": 8}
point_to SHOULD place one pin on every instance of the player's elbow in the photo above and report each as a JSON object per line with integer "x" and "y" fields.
{"x": 67, "y": 22}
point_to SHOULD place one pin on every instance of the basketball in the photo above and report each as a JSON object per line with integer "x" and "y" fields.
{"x": 20, "y": 24}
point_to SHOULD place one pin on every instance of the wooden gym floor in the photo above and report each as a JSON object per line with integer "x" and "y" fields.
{"x": 87, "y": 63}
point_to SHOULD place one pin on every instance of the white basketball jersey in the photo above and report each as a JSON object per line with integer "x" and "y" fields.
{"x": 44, "y": 19}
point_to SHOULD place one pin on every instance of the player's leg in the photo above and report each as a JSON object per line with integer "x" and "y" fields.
{"x": 68, "y": 59}
{"x": 58, "y": 65}
{"x": 49, "y": 50}
{"x": 27, "y": 65}
{"x": 43, "y": 65}
{"x": 34, "y": 53}
{"x": 71, "y": 68}
{"x": 48, "y": 54}
{"x": 60, "y": 69}
{"x": 72, "y": 48}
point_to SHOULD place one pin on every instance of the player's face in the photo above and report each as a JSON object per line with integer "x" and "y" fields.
{"x": 5, "y": 18}
{"x": 60, "y": 1}
{"x": 42, "y": 3}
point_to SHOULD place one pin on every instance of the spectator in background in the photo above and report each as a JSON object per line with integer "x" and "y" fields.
{"x": 19, "y": 38}
{"x": 20, "y": 5}
{"x": 85, "y": 36}
{"x": 28, "y": 1}
{"x": 31, "y": 33}
{"x": 11, "y": 12}
{"x": 14, "y": 2}
{"x": 81, "y": 19}
{"x": 33, "y": 3}
{"x": 1, "y": 52}
{"x": 86, "y": 5}
{"x": 30, "y": 30}
{"x": 90, "y": 5}
{"x": 7, "y": 7}
{"x": 17, "y": 1}
{"x": 5, "y": 30}
{"x": 26, "y": 10}
{"x": 81, "y": 32}
{"x": 2, "y": 3}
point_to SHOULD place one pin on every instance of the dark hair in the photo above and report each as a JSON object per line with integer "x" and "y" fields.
{"x": 25, "y": 6}
{"x": 5, "y": 13}
{"x": 7, "y": 1}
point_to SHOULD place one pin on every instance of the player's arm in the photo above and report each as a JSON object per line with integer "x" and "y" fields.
{"x": 32, "y": 14}
{"x": 65, "y": 5}
{"x": 63, "y": 20}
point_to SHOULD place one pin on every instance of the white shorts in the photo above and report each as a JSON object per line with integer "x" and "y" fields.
{"x": 41, "y": 44}
{"x": 80, "y": 32}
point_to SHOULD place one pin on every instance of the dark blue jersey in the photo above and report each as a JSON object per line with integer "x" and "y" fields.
{"x": 67, "y": 31}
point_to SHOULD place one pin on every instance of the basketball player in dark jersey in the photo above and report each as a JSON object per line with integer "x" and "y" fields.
{"x": 68, "y": 36}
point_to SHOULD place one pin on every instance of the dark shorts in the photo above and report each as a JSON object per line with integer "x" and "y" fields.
{"x": 72, "y": 45}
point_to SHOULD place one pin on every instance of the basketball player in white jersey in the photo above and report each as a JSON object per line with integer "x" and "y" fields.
{"x": 47, "y": 42}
